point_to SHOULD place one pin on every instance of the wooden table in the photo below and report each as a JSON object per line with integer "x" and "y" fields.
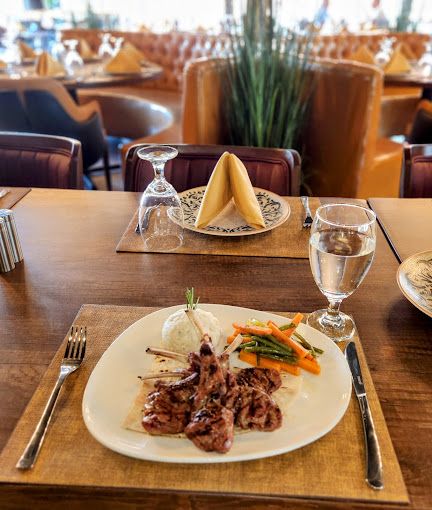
{"x": 411, "y": 80}
{"x": 69, "y": 240}
{"x": 406, "y": 222}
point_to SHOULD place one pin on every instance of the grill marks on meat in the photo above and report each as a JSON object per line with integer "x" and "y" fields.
{"x": 168, "y": 408}
{"x": 206, "y": 404}
{"x": 212, "y": 428}
{"x": 257, "y": 410}
{"x": 267, "y": 379}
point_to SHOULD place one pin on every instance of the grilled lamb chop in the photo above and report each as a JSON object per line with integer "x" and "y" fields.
{"x": 212, "y": 428}
{"x": 257, "y": 410}
{"x": 168, "y": 408}
{"x": 266, "y": 379}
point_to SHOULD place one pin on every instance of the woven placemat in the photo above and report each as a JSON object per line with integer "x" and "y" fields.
{"x": 332, "y": 467}
{"x": 13, "y": 197}
{"x": 289, "y": 240}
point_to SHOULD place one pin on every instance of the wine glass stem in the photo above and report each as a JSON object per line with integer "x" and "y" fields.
{"x": 159, "y": 171}
{"x": 332, "y": 317}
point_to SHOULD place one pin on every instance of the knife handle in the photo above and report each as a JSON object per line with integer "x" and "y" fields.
{"x": 374, "y": 471}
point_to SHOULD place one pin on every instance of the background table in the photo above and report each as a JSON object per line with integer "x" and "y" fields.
{"x": 69, "y": 240}
{"x": 411, "y": 80}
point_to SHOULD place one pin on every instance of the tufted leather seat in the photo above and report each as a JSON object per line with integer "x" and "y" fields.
{"x": 40, "y": 161}
{"x": 276, "y": 170}
{"x": 416, "y": 180}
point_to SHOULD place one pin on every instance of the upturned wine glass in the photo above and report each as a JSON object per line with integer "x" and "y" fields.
{"x": 160, "y": 216}
{"x": 341, "y": 250}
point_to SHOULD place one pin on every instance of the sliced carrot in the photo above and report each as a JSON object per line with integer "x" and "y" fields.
{"x": 253, "y": 330}
{"x": 310, "y": 366}
{"x": 280, "y": 335}
{"x": 251, "y": 358}
{"x": 232, "y": 337}
{"x": 296, "y": 321}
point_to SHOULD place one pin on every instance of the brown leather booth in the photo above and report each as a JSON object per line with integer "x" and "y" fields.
{"x": 276, "y": 170}
{"x": 345, "y": 155}
{"x": 416, "y": 179}
{"x": 29, "y": 160}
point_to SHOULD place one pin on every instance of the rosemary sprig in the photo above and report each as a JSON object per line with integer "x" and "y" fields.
{"x": 191, "y": 303}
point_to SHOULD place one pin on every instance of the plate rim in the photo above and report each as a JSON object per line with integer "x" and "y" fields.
{"x": 239, "y": 234}
{"x": 401, "y": 288}
{"x": 206, "y": 459}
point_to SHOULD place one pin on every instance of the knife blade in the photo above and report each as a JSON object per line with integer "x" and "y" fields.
{"x": 374, "y": 468}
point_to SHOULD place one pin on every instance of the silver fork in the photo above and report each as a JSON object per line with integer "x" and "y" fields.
{"x": 307, "y": 223}
{"x": 73, "y": 356}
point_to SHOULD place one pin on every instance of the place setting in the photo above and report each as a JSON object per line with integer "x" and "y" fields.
{"x": 226, "y": 217}
{"x": 211, "y": 386}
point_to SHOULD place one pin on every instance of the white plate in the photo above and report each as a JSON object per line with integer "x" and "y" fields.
{"x": 414, "y": 278}
{"x": 113, "y": 385}
{"x": 229, "y": 222}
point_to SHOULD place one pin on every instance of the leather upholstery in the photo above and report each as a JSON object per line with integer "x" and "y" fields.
{"x": 50, "y": 110}
{"x": 40, "y": 161}
{"x": 174, "y": 50}
{"x": 421, "y": 130}
{"x": 276, "y": 170}
{"x": 13, "y": 116}
{"x": 345, "y": 156}
{"x": 416, "y": 181}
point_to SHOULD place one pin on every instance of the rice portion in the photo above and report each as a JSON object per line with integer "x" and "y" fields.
{"x": 179, "y": 334}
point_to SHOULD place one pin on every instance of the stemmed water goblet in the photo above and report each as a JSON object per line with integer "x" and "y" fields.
{"x": 160, "y": 216}
{"x": 425, "y": 63}
{"x": 73, "y": 62}
{"x": 341, "y": 250}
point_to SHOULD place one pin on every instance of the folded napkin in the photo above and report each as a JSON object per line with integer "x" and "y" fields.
{"x": 133, "y": 51}
{"x": 84, "y": 49}
{"x": 398, "y": 63}
{"x": 230, "y": 180}
{"x": 47, "y": 66}
{"x": 25, "y": 50}
{"x": 363, "y": 54}
{"x": 123, "y": 63}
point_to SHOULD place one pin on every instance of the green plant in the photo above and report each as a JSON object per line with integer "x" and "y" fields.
{"x": 268, "y": 84}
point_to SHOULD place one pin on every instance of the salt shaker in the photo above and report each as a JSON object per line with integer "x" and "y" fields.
{"x": 9, "y": 221}
{"x": 7, "y": 262}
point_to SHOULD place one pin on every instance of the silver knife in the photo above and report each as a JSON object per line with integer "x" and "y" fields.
{"x": 374, "y": 469}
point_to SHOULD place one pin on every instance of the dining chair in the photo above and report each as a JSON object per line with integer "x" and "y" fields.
{"x": 345, "y": 154}
{"x": 416, "y": 178}
{"x": 50, "y": 110}
{"x": 421, "y": 129}
{"x": 276, "y": 170}
{"x": 40, "y": 161}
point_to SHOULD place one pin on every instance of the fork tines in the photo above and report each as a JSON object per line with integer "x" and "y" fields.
{"x": 76, "y": 344}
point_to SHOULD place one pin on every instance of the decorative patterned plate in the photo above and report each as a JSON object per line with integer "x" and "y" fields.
{"x": 414, "y": 278}
{"x": 229, "y": 222}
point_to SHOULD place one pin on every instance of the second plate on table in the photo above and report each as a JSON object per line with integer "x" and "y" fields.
{"x": 229, "y": 222}
{"x": 414, "y": 278}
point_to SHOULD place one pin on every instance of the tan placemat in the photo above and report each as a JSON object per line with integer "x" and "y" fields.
{"x": 332, "y": 467}
{"x": 289, "y": 240}
{"x": 13, "y": 197}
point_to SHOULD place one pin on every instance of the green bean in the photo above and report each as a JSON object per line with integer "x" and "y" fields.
{"x": 287, "y": 326}
{"x": 291, "y": 360}
{"x": 247, "y": 344}
{"x": 306, "y": 344}
{"x": 273, "y": 343}
{"x": 262, "y": 350}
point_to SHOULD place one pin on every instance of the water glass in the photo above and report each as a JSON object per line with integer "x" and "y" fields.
{"x": 160, "y": 217}
{"x": 341, "y": 250}
{"x": 73, "y": 62}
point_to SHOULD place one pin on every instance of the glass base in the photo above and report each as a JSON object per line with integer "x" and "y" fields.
{"x": 337, "y": 328}
{"x": 163, "y": 243}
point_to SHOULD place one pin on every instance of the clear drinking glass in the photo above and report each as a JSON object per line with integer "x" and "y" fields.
{"x": 58, "y": 51}
{"x": 425, "y": 63}
{"x": 384, "y": 54}
{"x": 160, "y": 212}
{"x": 341, "y": 250}
{"x": 73, "y": 62}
